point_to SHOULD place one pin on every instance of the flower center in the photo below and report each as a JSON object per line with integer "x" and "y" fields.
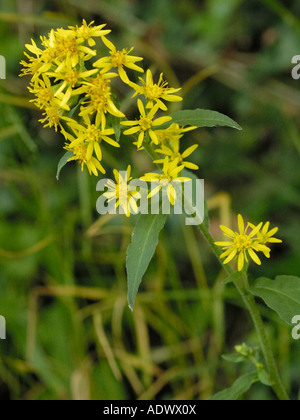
{"x": 99, "y": 94}
{"x": 153, "y": 92}
{"x": 145, "y": 123}
{"x": 242, "y": 242}
{"x": 165, "y": 180}
{"x": 119, "y": 58}
{"x": 92, "y": 134}
{"x": 66, "y": 46}
{"x": 71, "y": 77}
{"x": 123, "y": 192}
{"x": 80, "y": 152}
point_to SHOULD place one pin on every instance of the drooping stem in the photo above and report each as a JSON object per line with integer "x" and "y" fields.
{"x": 249, "y": 300}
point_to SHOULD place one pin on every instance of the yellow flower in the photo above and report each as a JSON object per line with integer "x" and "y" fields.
{"x": 65, "y": 44}
{"x": 172, "y": 133}
{"x": 92, "y": 135}
{"x": 119, "y": 60}
{"x": 243, "y": 244}
{"x": 87, "y": 32}
{"x": 145, "y": 124}
{"x": 70, "y": 78}
{"x": 156, "y": 92}
{"x": 174, "y": 153}
{"x": 98, "y": 97}
{"x": 119, "y": 191}
{"x": 53, "y": 114}
{"x": 43, "y": 91}
{"x": 265, "y": 237}
{"x": 170, "y": 174}
{"x": 41, "y": 63}
{"x": 80, "y": 155}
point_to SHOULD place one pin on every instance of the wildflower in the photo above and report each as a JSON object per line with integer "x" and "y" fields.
{"x": 53, "y": 114}
{"x": 80, "y": 155}
{"x": 92, "y": 135}
{"x": 41, "y": 63}
{"x": 119, "y": 60}
{"x": 170, "y": 174}
{"x": 244, "y": 244}
{"x": 145, "y": 124}
{"x": 174, "y": 153}
{"x": 98, "y": 97}
{"x": 43, "y": 92}
{"x": 70, "y": 77}
{"x": 66, "y": 45}
{"x": 119, "y": 191}
{"x": 156, "y": 92}
{"x": 172, "y": 133}
{"x": 88, "y": 32}
{"x": 265, "y": 237}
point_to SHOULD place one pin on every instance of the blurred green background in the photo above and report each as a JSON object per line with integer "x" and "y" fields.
{"x": 70, "y": 334}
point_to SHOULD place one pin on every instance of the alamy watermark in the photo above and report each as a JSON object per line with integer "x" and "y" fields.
{"x": 296, "y": 329}
{"x": 296, "y": 68}
{"x": 2, "y": 67}
{"x": 160, "y": 198}
{"x": 2, "y": 328}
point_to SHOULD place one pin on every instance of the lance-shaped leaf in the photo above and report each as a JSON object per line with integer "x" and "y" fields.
{"x": 239, "y": 388}
{"x": 282, "y": 295}
{"x": 201, "y": 118}
{"x": 63, "y": 161}
{"x": 141, "y": 250}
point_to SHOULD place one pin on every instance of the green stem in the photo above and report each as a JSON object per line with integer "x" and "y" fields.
{"x": 250, "y": 303}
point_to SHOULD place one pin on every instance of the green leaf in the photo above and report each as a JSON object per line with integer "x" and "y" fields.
{"x": 63, "y": 161}
{"x": 75, "y": 108}
{"x": 141, "y": 250}
{"x": 116, "y": 125}
{"x": 263, "y": 376}
{"x": 202, "y": 118}
{"x": 239, "y": 388}
{"x": 282, "y": 295}
{"x": 234, "y": 358}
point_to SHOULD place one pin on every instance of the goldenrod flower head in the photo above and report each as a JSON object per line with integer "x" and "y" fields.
{"x": 91, "y": 134}
{"x": 70, "y": 77}
{"x": 98, "y": 97}
{"x": 43, "y": 91}
{"x": 119, "y": 191}
{"x": 174, "y": 153}
{"x": 244, "y": 244}
{"x": 170, "y": 170}
{"x": 145, "y": 124}
{"x": 118, "y": 60}
{"x": 87, "y": 32}
{"x": 172, "y": 134}
{"x": 156, "y": 92}
{"x": 53, "y": 115}
{"x": 80, "y": 154}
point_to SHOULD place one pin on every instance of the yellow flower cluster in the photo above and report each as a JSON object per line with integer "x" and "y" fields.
{"x": 247, "y": 242}
{"x": 74, "y": 88}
